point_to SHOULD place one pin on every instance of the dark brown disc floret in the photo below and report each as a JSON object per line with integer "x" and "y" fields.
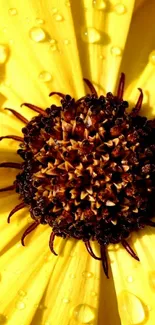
{"x": 88, "y": 169}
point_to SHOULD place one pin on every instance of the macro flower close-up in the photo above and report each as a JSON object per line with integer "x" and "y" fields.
{"x": 77, "y": 162}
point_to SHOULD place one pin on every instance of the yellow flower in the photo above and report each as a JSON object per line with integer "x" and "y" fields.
{"x": 50, "y": 46}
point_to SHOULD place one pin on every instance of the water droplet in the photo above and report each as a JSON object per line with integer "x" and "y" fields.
{"x": 45, "y": 76}
{"x": 3, "y": 319}
{"x": 87, "y": 274}
{"x": 72, "y": 276}
{"x": 40, "y": 21}
{"x": 152, "y": 57}
{"x": 19, "y": 245}
{"x": 152, "y": 279}
{"x": 37, "y": 34}
{"x": 41, "y": 306}
{"x": 65, "y": 300}
{"x": 90, "y": 35}
{"x": 22, "y": 293}
{"x": 119, "y": 8}
{"x": 101, "y": 57}
{"x": 93, "y": 294}
{"x": 129, "y": 278}
{"x": 116, "y": 51}
{"x": 58, "y": 17}
{"x": 13, "y": 11}
{"x": 148, "y": 307}
{"x": 99, "y": 4}
{"x": 67, "y": 3}
{"x": 20, "y": 305}
{"x": 131, "y": 309}
{"x": 83, "y": 313}
{"x": 54, "y": 10}
{"x": 3, "y": 53}
{"x": 52, "y": 41}
{"x": 53, "y": 46}
{"x": 66, "y": 41}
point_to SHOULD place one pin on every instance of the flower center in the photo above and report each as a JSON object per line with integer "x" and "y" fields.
{"x": 88, "y": 169}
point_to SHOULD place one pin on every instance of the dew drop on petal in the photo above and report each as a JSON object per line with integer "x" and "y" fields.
{"x": 66, "y": 41}
{"x": 99, "y": 4}
{"x": 87, "y": 274}
{"x": 52, "y": 41}
{"x": 58, "y": 17}
{"x": 66, "y": 300}
{"x": 72, "y": 276}
{"x": 101, "y": 57}
{"x": 119, "y": 8}
{"x": 53, "y": 45}
{"x": 83, "y": 313}
{"x": 116, "y": 51}
{"x": 40, "y": 21}
{"x": 3, "y": 53}
{"x": 148, "y": 307}
{"x": 37, "y": 34}
{"x": 22, "y": 293}
{"x": 20, "y": 305}
{"x": 54, "y": 10}
{"x": 94, "y": 294}
{"x": 129, "y": 279}
{"x": 45, "y": 76}
{"x": 152, "y": 279}
{"x": 152, "y": 57}
{"x": 90, "y": 35}
{"x": 131, "y": 308}
{"x": 13, "y": 11}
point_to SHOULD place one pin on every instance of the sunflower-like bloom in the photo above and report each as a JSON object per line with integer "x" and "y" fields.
{"x": 50, "y": 46}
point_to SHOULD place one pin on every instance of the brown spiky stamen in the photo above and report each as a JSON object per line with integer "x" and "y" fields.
{"x": 90, "y": 86}
{"x": 51, "y": 243}
{"x": 35, "y": 108}
{"x": 104, "y": 260}
{"x": 33, "y": 226}
{"x": 138, "y": 106}
{"x": 11, "y": 165}
{"x": 57, "y": 93}
{"x": 17, "y": 208}
{"x": 129, "y": 249}
{"x": 13, "y": 137}
{"x": 18, "y": 115}
{"x": 89, "y": 170}
{"x": 121, "y": 85}
{"x": 8, "y": 188}
{"x": 90, "y": 251}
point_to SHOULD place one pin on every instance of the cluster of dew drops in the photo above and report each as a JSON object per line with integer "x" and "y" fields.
{"x": 39, "y": 34}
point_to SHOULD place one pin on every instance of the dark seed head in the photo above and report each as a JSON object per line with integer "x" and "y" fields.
{"x": 89, "y": 169}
